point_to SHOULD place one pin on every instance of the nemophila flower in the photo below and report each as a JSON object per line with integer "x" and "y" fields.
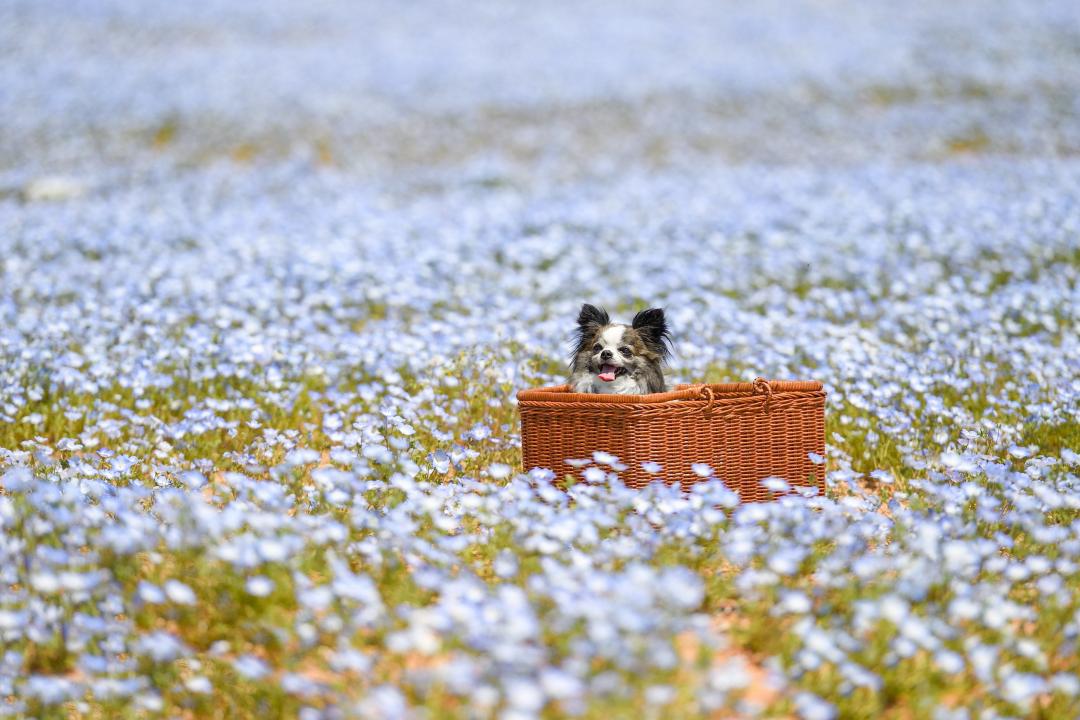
{"x": 198, "y": 684}
{"x": 950, "y": 662}
{"x": 272, "y": 549}
{"x": 1065, "y": 684}
{"x": 440, "y": 460}
{"x": 378, "y": 454}
{"x": 179, "y": 593}
{"x": 1020, "y": 452}
{"x": 301, "y": 456}
{"x": 776, "y": 484}
{"x": 51, "y": 690}
{"x": 160, "y": 646}
{"x": 478, "y": 432}
{"x": 505, "y": 564}
{"x": 499, "y": 471}
{"x": 299, "y": 685}
{"x": 116, "y": 688}
{"x": 384, "y": 703}
{"x": 1021, "y": 688}
{"x": 793, "y": 602}
{"x": 12, "y": 620}
{"x": 524, "y": 696}
{"x": 17, "y": 479}
{"x": 193, "y": 479}
{"x": 882, "y": 476}
{"x": 604, "y": 458}
{"x": 813, "y": 707}
{"x": 259, "y": 586}
{"x": 250, "y": 667}
{"x": 594, "y": 475}
{"x": 560, "y": 684}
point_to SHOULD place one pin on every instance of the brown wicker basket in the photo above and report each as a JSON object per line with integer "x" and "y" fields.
{"x": 744, "y": 431}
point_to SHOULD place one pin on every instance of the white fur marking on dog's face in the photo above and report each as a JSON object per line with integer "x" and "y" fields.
{"x": 611, "y": 337}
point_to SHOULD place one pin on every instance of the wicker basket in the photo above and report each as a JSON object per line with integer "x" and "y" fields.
{"x": 744, "y": 431}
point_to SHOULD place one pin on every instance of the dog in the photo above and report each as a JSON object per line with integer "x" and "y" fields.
{"x": 613, "y": 358}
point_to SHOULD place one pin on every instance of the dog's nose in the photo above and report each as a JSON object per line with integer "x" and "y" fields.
{"x": 606, "y": 355}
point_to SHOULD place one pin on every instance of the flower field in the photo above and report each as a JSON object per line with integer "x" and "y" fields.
{"x": 270, "y": 277}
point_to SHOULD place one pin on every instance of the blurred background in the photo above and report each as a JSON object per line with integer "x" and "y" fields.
{"x": 530, "y": 92}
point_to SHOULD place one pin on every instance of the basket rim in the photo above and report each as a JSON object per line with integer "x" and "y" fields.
{"x": 683, "y": 391}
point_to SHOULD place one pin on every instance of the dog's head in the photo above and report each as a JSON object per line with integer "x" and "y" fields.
{"x": 608, "y": 349}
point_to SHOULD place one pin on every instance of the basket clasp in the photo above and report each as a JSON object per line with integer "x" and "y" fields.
{"x": 706, "y": 394}
{"x": 762, "y": 386}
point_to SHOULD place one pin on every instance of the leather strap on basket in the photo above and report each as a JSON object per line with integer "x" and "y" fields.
{"x": 762, "y": 386}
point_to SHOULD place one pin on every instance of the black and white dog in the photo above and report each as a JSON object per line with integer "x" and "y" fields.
{"x": 615, "y": 358}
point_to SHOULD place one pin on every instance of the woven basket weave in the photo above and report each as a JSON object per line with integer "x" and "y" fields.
{"x": 744, "y": 431}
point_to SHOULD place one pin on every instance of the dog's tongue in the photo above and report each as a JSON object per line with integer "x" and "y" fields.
{"x": 607, "y": 373}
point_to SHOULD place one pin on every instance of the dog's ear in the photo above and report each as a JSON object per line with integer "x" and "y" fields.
{"x": 592, "y": 317}
{"x": 589, "y": 320}
{"x": 652, "y": 327}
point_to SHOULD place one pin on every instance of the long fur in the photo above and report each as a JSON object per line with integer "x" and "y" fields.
{"x": 638, "y": 351}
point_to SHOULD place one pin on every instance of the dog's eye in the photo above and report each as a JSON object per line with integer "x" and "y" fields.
{"x": 625, "y": 351}
{"x": 596, "y": 347}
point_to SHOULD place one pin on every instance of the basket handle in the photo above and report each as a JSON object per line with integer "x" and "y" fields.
{"x": 762, "y": 386}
